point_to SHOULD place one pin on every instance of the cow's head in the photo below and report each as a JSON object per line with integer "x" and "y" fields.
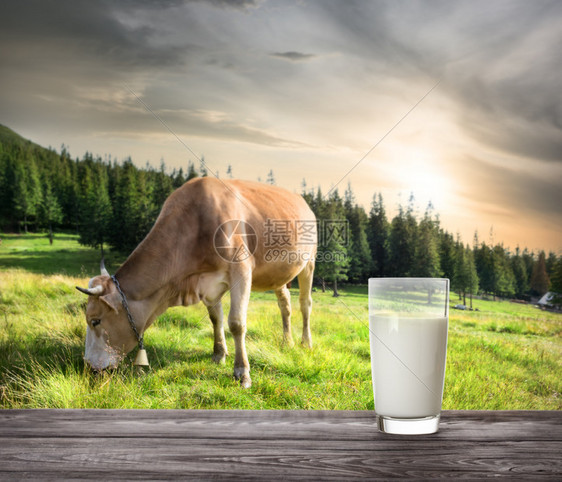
{"x": 109, "y": 336}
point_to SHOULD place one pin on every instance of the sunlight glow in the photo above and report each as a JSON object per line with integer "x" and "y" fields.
{"x": 419, "y": 171}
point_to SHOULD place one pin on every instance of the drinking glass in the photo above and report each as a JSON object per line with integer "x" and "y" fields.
{"x": 408, "y": 320}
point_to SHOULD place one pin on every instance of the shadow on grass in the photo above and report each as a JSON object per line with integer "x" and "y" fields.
{"x": 42, "y": 354}
{"x": 29, "y": 359}
{"x": 80, "y": 262}
{"x": 36, "y": 236}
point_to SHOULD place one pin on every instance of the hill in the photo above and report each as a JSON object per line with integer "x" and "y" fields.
{"x": 23, "y": 165}
{"x": 8, "y": 136}
{"x": 105, "y": 202}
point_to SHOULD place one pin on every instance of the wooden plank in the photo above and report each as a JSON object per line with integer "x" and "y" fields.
{"x": 534, "y": 425}
{"x": 144, "y": 444}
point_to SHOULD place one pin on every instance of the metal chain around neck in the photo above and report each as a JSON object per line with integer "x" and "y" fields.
{"x": 129, "y": 316}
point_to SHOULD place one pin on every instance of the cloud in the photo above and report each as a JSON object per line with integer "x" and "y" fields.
{"x": 123, "y": 115}
{"x": 72, "y": 34}
{"x": 165, "y": 4}
{"x": 498, "y": 61}
{"x": 507, "y": 83}
{"x": 229, "y": 3}
{"x": 219, "y": 125}
{"x": 293, "y": 56}
{"x": 512, "y": 191}
{"x": 324, "y": 76}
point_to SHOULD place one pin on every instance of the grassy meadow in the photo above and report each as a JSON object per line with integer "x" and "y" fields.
{"x": 504, "y": 356}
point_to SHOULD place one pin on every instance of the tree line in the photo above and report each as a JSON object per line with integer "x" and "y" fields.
{"x": 116, "y": 203}
{"x": 416, "y": 245}
{"x": 104, "y": 201}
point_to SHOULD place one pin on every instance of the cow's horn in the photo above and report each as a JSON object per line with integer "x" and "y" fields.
{"x": 95, "y": 291}
{"x": 104, "y": 272}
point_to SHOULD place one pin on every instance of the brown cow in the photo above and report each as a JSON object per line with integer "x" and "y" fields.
{"x": 211, "y": 236}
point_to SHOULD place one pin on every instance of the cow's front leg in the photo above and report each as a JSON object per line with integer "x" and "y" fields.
{"x": 219, "y": 347}
{"x": 240, "y": 287}
{"x": 305, "y": 298}
{"x": 284, "y": 302}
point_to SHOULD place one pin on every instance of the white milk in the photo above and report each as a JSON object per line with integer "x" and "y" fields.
{"x": 421, "y": 345}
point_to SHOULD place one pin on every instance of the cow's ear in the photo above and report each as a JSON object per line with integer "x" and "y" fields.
{"x": 112, "y": 301}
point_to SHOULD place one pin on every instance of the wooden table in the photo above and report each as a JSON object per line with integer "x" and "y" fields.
{"x": 273, "y": 445}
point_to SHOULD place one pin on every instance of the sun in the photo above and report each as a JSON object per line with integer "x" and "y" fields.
{"x": 422, "y": 172}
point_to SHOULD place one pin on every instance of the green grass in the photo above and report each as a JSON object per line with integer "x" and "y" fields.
{"x": 33, "y": 253}
{"x": 505, "y": 356}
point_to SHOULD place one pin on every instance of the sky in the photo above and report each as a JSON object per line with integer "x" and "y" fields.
{"x": 459, "y": 103}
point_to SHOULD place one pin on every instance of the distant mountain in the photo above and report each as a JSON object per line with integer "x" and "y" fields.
{"x": 12, "y": 142}
{"x": 104, "y": 202}
{"x": 25, "y": 170}
{"x": 9, "y": 137}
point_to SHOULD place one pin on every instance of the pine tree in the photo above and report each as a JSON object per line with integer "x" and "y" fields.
{"x": 68, "y": 191}
{"x": 447, "y": 254}
{"x": 162, "y": 188}
{"x": 318, "y": 208}
{"x": 502, "y": 275}
{"x": 484, "y": 267}
{"x": 147, "y": 212}
{"x": 5, "y": 186}
{"x": 550, "y": 262}
{"x": 203, "y": 167}
{"x": 520, "y": 272}
{"x": 270, "y": 178}
{"x": 127, "y": 229}
{"x": 465, "y": 279}
{"x": 51, "y": 212}
{"x": 426, "y": 262}
{"x": 529, "y": 260}
{"x": 471, "y": 274}
{"x": 459, "y": 280}
{"x": 539, "y": 277}
{"x": 402, "y": 242}
{"x": 96, "y": 210}
{"x": 358, "y": 248}
{"x": 475, "y": 242}
{"x": 191, "y": 171}
{"x": 27, "y": 191}
{"x": 332, "y": 258}
{"x": 308, "y": 196}
{"x": 556, "y": 280}
{"x": 378, "y": 237}
{"x": 178, "y": 178}
{"x": 34, "y": 186}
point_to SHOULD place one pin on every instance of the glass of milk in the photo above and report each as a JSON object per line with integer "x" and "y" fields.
{"x": 408, "y": 321}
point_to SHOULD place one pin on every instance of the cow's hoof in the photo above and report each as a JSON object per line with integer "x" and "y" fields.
{"x": 306, "y": 343}
{"x": 219, "y": 358}
{"x": 288, "y": 341}
{"x": 242, "y": 374}
{"x": 246, "y": 381}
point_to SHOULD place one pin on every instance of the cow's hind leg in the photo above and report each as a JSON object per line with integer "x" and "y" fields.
{"x": 240, "y": 286}
{"x": 305, "y": 278}
{"x": 219, "y": 347}
{"x": 284, "y": 302}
